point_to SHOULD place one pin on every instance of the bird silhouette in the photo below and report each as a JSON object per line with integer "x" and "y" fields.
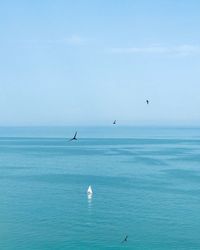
{"x": 74, "y": 138}
{"x": 147, "y": 101}
{"x": 125, "y": 239}
{"x": 114, "y": 122}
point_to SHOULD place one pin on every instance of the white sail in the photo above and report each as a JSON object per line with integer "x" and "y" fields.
{"x": 89, "y": 191}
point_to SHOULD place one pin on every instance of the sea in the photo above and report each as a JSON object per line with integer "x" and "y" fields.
{"x": 145, "y": 182}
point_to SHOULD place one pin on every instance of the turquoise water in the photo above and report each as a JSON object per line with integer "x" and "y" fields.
{"x": 146, "y": 184}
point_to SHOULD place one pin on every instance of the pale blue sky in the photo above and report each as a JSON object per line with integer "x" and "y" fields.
{"x": 90, "y": 62}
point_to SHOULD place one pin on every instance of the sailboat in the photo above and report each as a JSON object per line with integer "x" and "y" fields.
{"x": 89, "y": 191}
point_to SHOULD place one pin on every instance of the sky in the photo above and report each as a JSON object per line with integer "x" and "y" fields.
{"x": 91, "y": 62}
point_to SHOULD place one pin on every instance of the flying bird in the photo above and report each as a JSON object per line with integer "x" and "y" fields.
{"x": 74, "y": 138}
{"x": 147, "y": 101}
{"x": 114, "y": 122}
{"x": 125, "y": 239}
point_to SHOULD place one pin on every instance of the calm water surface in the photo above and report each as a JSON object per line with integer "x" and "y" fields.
{"x": 146, "y": 184}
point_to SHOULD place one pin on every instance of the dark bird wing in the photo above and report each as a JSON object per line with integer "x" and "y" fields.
{"x": 75, "y": 134}
{"x": 74, "y": 138}
{"x": 125, "y": 239}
